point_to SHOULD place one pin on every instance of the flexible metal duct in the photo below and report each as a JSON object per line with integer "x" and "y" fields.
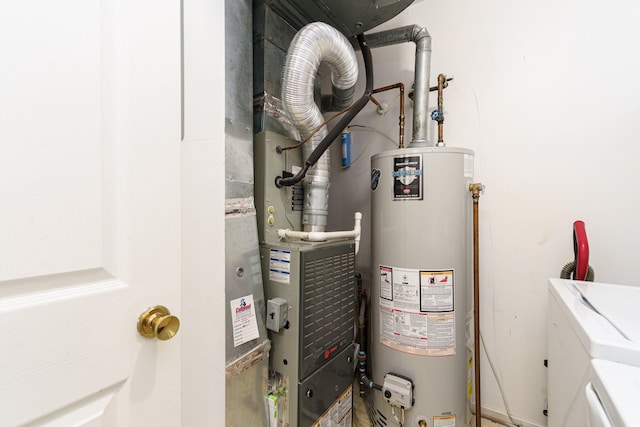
{"x": 313, "y": 44}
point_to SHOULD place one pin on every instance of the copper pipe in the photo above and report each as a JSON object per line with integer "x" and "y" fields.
{"x": 475, "y": 194}
{"x": 442, "y": 83}
{"x": 432, "y": 88}
{"x": 375, "y": 101}
{"x": 401, "y": 119}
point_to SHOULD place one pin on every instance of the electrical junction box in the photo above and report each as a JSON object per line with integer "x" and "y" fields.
{"x": 277, "y": 314}
{"x": 398, "y": 391}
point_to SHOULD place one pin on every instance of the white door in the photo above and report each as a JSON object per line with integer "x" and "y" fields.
{"x": 90, "y": 129}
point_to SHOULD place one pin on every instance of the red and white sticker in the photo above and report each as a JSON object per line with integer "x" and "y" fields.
{"x": 416, "y": 310}
{"x": 245, "y": 325}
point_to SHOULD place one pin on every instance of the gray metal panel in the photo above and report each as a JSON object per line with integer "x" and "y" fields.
{"x": 349, "y": 17}
{"x": 327, "y": 305}
{"x": 238, "y": 57}
{"x": 318, "y": 392}
{"x": 242, "y": 254}
{"x": 270, "y": 164}
{"x": 243, "y": 276}
{"x": 244, "y": 396}
{"x": 339, "y": 260}
{"x": 238, "y": 100}
{"x": 284, "y": 350}
{"x": 271, "y": 37}
{"x": 274, "y": 58}
{"x": 239, "y": 181}
{"x": 286, "y": 347}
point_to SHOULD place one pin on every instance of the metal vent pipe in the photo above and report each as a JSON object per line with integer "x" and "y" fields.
{"x": 313, "y": 44}
{"x": 420, "y": 36}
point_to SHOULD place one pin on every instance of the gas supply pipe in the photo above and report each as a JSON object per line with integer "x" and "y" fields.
{"x": 476, "y": 189}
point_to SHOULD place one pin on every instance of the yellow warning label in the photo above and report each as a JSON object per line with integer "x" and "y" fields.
{"x": 444, "y": 421}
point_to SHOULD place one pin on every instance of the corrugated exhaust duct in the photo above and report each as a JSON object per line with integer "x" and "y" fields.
{"x": 314, "y": 44}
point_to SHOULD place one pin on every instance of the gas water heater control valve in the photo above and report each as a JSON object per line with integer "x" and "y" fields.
{"x": 398, "y": 391}
{"x": 277, "y": 315}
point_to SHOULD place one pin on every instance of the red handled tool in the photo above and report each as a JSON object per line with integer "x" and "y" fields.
{"x": 581, "y": 251}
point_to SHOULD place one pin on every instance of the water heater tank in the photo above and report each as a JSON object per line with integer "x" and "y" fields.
{"x": 421, "y": 282}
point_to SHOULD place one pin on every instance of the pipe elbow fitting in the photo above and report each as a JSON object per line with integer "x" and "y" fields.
{"x": 419, "y": 34}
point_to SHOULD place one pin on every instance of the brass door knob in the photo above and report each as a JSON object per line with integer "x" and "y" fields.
{"x": 157, "y": 322}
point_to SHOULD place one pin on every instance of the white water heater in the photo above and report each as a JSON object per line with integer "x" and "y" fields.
{"x": 421, "y": 282}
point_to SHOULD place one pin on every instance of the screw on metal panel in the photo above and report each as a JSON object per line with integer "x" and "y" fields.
{"x": 239, "y": 271}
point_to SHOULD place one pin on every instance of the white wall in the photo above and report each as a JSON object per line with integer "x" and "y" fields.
{"x": 203, "y": 252}
{"x": 547, "y": 94}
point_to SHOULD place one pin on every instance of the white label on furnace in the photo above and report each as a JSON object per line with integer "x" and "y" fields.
{"x": 243, "y": 315}
{"x": 340, "y": 413}
{"x": 445, "y": 421}
{"x": 416, "y": 311}
{"x": 280, "y": 266}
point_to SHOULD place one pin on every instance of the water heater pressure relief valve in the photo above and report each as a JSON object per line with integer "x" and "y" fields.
{"x": 398, "y": 391}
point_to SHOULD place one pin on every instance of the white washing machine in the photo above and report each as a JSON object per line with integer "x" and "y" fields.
{"x": 586, "y": 321}
{"x": 613, "y": 395}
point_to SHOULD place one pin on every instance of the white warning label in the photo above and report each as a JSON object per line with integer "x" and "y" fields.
{"x": 340, "y": 413}
{"x": 280, "y": 266}
{"x": 386, "y": 283}
{"x": 436, "y": 290}
{"x": 417, "y": 310}
{"x": 243, "y": 315}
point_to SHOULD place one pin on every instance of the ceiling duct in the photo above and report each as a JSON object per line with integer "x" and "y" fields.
{"x": 349, "y": 17}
